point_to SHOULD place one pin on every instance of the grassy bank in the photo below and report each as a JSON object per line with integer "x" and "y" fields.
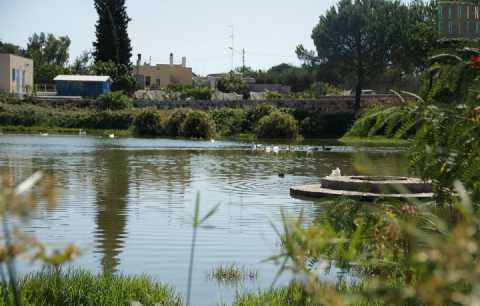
{"x": 374, "y": 140}
{"x": 85, "y": 288}
{"x": 9, "y": 129}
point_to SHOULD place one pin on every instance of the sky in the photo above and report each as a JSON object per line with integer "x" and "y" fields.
{"x": 268, "y": 30}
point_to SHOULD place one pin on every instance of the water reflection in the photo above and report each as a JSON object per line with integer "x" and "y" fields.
{"x": 111, "y": 182}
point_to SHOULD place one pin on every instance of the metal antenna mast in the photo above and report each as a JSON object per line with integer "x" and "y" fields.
{"x": 232, "y": 36}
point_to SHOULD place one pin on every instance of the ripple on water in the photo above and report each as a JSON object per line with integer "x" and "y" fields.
{"x": 129, "y": 202}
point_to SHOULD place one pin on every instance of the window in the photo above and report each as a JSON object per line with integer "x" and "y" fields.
{"x": 468, "y": 12}
{"x": 13, "y": 74}
{"x": 157, "y": 82}
{"x": 449, "y": 12}
{"x": 148, "y": 81}
{"x": 450, "y": 27}
{"x": 440, "y": 11}
{"x": 459, "y": 10}
{"x": 476, "y": 12}
{"x": 459, "y": 28}
{"x": 467, "y": 27}
{"x": 477, "y": 27}
{"x": 440, "y": 27}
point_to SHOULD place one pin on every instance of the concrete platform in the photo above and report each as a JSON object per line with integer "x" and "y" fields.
{"x": 377, "y": 184}
{"x": 317, "y": 191}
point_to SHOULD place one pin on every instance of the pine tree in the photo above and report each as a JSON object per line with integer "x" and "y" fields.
{"x": 113, "y": 43}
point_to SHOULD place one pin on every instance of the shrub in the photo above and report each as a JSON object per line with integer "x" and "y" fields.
{"x": 233, "y": 82}
{"x": 119, "y": 120}
{"x": 174, "y": 122}
{"x": 148, "y": 122}
{"x": 398, "y": 122}
{"x": 229, "y": 121}
{"x": 27, "y": 115}
{"x": 256, "y": 113}
{"x": 114, "y": 100}
{"x": 272, "y": 95}
{"x": 197, "y": 125}
{"x": 277, "y": 125}
{"x": 197, "y": 93}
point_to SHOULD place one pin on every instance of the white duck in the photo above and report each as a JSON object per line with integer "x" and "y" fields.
{"x": 336, "y": 172}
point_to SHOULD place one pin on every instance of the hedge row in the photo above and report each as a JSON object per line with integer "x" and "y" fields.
{"x": 266, "y": 121}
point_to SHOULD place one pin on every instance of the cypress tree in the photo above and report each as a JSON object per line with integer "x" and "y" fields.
{"x": 113, "y": 43}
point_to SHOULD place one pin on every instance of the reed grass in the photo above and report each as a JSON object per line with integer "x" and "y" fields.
{"x": 232, "y": 273}
{"x": 78, "y": 287}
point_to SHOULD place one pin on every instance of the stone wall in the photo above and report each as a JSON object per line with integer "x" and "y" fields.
{"x": 323, "y": 104}
{"x": 331, "y": 105}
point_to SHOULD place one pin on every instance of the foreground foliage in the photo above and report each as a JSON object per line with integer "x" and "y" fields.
{"x": 85, "y": 288}
{"x": 402, "y": 252}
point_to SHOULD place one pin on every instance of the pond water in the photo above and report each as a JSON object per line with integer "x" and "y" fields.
{"x": 128, "y": 203}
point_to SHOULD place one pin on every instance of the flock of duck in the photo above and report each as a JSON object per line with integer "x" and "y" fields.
{"x": 81, "y": 133}
{"x": 254, "y": 147}
{"x": 289, "y": 148}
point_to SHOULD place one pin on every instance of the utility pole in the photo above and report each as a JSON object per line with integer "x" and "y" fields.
{"x": 243, "y": 59}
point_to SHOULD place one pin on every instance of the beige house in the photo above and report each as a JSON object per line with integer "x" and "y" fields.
{"x": 162, "y": 75}
{"x": 16, "y": 74}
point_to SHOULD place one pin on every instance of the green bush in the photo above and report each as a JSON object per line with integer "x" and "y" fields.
{"x": 114, "y": 100}
{"x": 273, "y": 95}
{"x": 233, "y": 82}
{"x": 229, "y": 121}
{"x": 33, "y": 115}
{"x": 256, "y": 113}
{"x": 277, "y": 125}
{"x": 397, "y": 122}
{"x": 27, "y": 115}
{"x": 175, "y": 120}
{"x": 85, "y": 288}
{"x": 197, "y": 125}
{"x": 149, "y": 122}
{"x": 118, "y": 120}
{"x": 196, "y": 93}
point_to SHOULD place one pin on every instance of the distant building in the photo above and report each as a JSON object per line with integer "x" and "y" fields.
{"x": 16, "y": 74}
{"x": 458, "y": 19}
{"x": 162, "y": 75}
{"x": 90, "y": 86}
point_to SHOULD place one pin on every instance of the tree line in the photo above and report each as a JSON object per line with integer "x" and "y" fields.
{"x": 358, "y": 44}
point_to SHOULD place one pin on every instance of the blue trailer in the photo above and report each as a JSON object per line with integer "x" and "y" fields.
{"x": 87, "y": 86}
